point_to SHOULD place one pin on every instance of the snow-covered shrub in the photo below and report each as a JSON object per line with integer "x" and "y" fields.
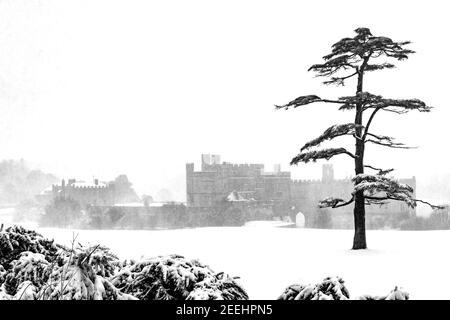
{"x": 175, "y": 278}
{"x": 25, "y": 291}
{"x": 219, "y": 287}
{"x": 3, "y": 294}
{"x": 396, "y": 294}
{"x": 16, "y": 239}
{"x": 331, "y": 288}
{"x": 3, "y": 274}
{"x": 30, "y": 267}
{"x": 82, "y": 277}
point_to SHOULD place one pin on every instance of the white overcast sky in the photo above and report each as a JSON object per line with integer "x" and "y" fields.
{"x": 100, "y": 88}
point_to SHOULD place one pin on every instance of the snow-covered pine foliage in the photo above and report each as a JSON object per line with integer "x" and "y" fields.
{"x": 331, "y": 133}
{"x": 384, "y": 188}
{"x": 25, "y": 291}
{"x": 34, "y": 268}
{"x": 319, "y": 154}
{"x": 219, "y": 287}
{"x": 396, "y": 294}
{"x": 331, "y": 288}
{"x": 16, "y": 239}
{"x": 176, "y": 278}
{"x": 30, "y": 268}
{"x": 82, "y": 277}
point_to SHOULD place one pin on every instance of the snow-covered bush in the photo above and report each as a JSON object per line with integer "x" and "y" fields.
{"x": 83, "y": 277}
{"x": 34, "y": 268}
{"x": 30, "y": 267}
{"x": 16, "y": 239}
{"x": 396, "y": 294}
{"x": 331, "y": 288}
{"x": 219, "y": 287}
{"x": 25, "y": 291}
{"x": 176, "y": 278}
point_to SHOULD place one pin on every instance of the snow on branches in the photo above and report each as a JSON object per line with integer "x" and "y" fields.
{"x": 331, "y": 202}
{"x": 16, "y": 239}
{"x": 333, "y": 288}
{"x": 396, "y": 294}
{"x": 176, "y": 278}
{"x": 366, "y": 101}
{"x": 354, "y": 53}
{"x": 320, "y": 154}
{"x": 300, "y": 101}
{"x": 378, "y": 189}
{"x": 34, "y": 268}
{"x": 386, "y": 141}
{"x": 331, "y": 133}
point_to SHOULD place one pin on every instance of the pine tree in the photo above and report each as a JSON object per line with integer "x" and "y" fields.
{"x": 352, "y": 58}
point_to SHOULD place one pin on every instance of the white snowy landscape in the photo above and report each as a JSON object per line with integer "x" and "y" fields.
{"x": 268, "y": 258}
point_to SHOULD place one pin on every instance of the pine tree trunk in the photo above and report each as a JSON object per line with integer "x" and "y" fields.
{"x": 359, "y": 212}
{"x": 359, "y": 239}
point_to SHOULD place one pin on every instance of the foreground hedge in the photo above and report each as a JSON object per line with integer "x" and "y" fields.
{"x": 34, "y": 268}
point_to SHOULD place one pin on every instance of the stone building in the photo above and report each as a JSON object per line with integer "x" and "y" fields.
{"x": 96, "y": 193}
{"x": 245, "y": 187}
{"x": 306, "y": 194}
{"x": 216, "y": 181}
{"x": 85, "y": 193}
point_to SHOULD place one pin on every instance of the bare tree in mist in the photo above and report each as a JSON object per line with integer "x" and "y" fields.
{"x": 352, "y": 58}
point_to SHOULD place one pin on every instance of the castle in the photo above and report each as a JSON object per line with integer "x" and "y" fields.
{"x": 226, "y": 194}
{"x": 96, "y": 193}
{"x": 219, "y": 185}
{"x": 216, "y": 181}
{"x": 85, "y": 193}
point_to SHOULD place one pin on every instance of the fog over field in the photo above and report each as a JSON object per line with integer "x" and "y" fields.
{"x": 101, "y": 88}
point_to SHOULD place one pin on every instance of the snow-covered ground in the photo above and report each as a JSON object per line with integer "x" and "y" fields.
{"x": 269, "y": 258}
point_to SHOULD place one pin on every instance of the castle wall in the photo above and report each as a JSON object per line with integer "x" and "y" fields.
{"x": 306, "y": 194}
{"x": 209, "y": 187}
{"x": 86, "y": 195}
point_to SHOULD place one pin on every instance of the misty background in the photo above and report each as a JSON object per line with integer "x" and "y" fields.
{"x": 103, "y": 88}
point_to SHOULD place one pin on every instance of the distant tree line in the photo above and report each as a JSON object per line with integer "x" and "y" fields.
{"x": 439, "y": 219}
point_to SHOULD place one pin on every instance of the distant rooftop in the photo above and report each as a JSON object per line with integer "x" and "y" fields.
{"x": 83, "y": 184}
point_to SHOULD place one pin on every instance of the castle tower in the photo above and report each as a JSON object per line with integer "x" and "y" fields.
{"x": 209, "y": 159}
{"x": 327, "y": 173}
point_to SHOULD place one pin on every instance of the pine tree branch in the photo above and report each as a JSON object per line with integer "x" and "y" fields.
{"x": 380, "y": 171}
{"x": 335, "y": 202}
{"x": 339, "y": 80}
{"x": 320, "y": 154}
{"x": 387, "y": 198}
{"x": 390, "y": 144}
{"x": 369, "y": 122}
{"x": 331, "y": 133}
{"x": 374, "y": 67}
{"x": 378, "y": 189}
{"x": 304, "y": 100}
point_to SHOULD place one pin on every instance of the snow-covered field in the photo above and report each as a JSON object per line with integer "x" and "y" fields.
{"x": 269, "y": 258}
